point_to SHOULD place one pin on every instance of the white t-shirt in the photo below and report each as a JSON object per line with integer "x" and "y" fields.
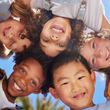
{"x": 4, "y": 102}
{"x": 4, "y": 9}
{"x": 104, "y": 106}
{"x": 92, "y": 16}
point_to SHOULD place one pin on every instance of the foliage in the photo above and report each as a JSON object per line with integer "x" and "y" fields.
{"x": 42, "y": 103}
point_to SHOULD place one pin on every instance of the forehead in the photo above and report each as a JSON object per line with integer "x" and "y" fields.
{"x": 50, "y": 50}
{"x": 33, "y": 67}
{"x": 32, "y": 63}
{"x": 71, "y": 68}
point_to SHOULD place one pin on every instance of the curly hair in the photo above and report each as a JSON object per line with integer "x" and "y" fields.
{"x": 77, "y": 26}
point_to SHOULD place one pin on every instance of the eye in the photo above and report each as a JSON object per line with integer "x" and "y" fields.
{"x": 22, "y": 35}
{"x": 33, "y": 83}
{"x": 81, "y": 77}
{"x": 93, "y": 61}
{"x": 93, "y": 45}
{"x": 22, "y": 70}
{"x": 65, "y": 83}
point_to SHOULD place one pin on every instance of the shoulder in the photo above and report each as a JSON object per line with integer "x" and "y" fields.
{"x": 104, "y": 106}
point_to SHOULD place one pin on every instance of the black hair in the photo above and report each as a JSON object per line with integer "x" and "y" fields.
{"x": 62, "y": 59}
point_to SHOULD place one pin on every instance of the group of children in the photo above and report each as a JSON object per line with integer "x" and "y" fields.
{"x": 48, "y": 32}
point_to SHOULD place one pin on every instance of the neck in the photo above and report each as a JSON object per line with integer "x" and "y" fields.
{"x": 5, "y": 88}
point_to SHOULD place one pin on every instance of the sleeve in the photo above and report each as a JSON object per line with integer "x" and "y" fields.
{"x": 94, "y": 13}
{"x": 4, "y": 9}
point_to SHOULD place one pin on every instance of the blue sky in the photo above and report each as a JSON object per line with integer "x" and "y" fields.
{"x": 7, "y": 64}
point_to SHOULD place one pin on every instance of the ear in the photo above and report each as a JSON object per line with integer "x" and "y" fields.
{"x": 53, "y": 92}
{"x": 93, "y": 76}
{"x": 14, "y": 67}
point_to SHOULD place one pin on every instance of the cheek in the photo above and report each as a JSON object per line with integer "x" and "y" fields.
{"x": 63, "y": 91}
{"x": 101, "y": 62}
{"x": 90, "y": 87}
{"x": 20, "y": 27}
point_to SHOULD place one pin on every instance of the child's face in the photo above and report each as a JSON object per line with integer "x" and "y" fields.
{"x": 97, "y": 52}
{"x": 11, "y": 33}
{"x": 55, "y": 36}
{"x": 74, "y": 85}
{"x": 26, "y": 78}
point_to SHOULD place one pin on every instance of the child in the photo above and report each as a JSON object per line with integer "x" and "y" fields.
{"x": 71, "y": 79}
{"x": 95, "y": 48}
{"x": 15, "y": 32}
{"x": 27, "y": 77}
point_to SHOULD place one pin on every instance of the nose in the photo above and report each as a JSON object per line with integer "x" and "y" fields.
{"x": 75, "y": 87}
{"x": 54, "y": 37}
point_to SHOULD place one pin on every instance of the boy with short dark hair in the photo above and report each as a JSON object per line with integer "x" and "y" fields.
{"x": 27, "y": 77}
{"x": 71, "y": 79}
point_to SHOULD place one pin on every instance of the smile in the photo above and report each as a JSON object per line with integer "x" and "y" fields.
{"x": 17, "y": 87}
{"x": 57, "y": 29}
{"x": 78, "y": 96}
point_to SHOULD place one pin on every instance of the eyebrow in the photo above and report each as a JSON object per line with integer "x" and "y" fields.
{"x": 35, "y": 78}
{"x": 25, "y": 66}
{"x": 64, "y": 78}
{"x": 79, "y": 72}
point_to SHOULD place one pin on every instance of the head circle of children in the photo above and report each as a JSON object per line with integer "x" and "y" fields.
{"x": 53, "y": 51}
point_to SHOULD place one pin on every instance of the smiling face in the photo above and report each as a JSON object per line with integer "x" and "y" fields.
{"x": 11, "y": 35}
{"x": 55, "y": 36}
{"x": 26, "y": 78}
{"x": 74, "y": 85}
{"x": 97, "y": 52}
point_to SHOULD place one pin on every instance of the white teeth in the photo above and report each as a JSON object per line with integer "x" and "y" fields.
{"x": 57, "y": 30}
{"x": 17, "y": 87}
